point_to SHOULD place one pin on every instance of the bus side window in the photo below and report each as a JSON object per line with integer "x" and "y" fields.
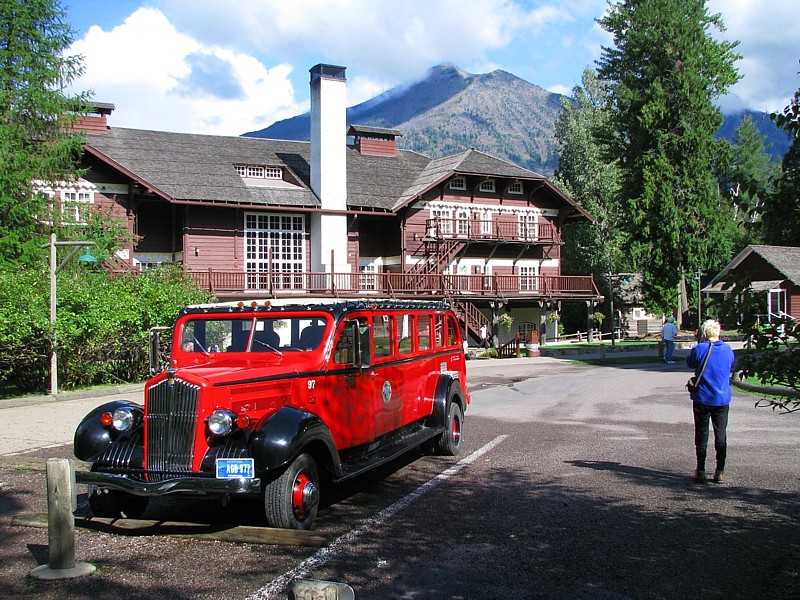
{"x": 344, "y": 351}
{"x": 405, "y": 331}
{"x": 382, "y": 336}
{"x": 424, "y": 329}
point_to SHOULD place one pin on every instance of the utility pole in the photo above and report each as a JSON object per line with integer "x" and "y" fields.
{"x": 85, "y": 259}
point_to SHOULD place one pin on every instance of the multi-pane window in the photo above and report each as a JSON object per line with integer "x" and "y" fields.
{"x": 462, "y": 222}
{"x": 444, "y": 220}
{"x": 486, "y": 222}
{"x": 515, "y": 188}
{"x": 487, "y": 186}
{"x": 527, "y": 226}
{"x": 458, "y": 183}
{"x": 367, "y": 277}
{"x": 281, "y": 239}
{"x": 74, "y": 206}
{"x": 527, "y": 279}
{"x": 259, "y": 172}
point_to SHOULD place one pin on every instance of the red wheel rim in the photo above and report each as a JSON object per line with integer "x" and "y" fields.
{"x": 456, "y": 431}
{"x": 302, "y": 490}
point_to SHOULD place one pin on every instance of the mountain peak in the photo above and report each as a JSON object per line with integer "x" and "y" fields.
{"x": 451, "y": 110}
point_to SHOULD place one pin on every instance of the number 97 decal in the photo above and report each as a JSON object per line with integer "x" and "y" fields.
{"x": 312, "y": 383}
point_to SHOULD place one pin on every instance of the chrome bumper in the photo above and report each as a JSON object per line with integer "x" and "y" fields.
{"x": 187, "y": 485}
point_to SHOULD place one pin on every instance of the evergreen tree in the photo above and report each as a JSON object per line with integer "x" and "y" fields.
{"x": 781, "y": 218}
{"x": 665, "y": 70}
{"x": 746, "y": 174}
{"x": 591, "y": 177}
{"x": 35, "y": 113}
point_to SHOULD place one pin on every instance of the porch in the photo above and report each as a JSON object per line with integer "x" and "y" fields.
{"x": 395, "y": 285}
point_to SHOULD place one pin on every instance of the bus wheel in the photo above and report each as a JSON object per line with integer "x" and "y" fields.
{"x": 449, "y": 442}
{"x": 291, "y": 501}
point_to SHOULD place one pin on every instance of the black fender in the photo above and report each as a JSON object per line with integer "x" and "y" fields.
{"x": 448, "y": 389}
{"x": 282, "y": 436}
{"x": 92, "y": 437}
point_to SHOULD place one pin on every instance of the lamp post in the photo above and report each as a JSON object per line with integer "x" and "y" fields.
{"x": 85, "y": 259}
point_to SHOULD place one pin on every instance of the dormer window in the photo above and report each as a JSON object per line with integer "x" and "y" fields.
{"x": 458, "y": 183}
{"x": 259, "y": 172}
{"x": 515, "y": 188}
{"x": 487, "y": 186}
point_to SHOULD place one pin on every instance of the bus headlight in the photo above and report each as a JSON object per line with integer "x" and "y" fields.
{"x": 220, "y": 422}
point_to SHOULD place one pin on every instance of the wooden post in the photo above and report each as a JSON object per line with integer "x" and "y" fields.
{"x": 61, "y": 502}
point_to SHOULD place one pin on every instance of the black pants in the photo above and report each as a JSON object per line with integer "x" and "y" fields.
{"x": 719, "y": 420}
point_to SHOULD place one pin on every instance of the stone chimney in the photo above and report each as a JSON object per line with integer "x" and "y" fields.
{"x": 329, "y": 168}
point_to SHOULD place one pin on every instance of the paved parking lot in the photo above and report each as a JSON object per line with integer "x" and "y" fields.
{"x": 574, "y": 482}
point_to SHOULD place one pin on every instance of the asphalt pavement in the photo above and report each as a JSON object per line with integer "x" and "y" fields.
{"x": 37, "y": 422}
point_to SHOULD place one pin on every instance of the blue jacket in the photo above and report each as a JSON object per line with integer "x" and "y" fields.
{"x": 715, "y": 386}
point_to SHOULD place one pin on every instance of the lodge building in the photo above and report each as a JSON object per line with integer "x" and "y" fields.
{"x": 348, "y": 214}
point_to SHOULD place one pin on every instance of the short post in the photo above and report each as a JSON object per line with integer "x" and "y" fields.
{"x": 62, "y": 501}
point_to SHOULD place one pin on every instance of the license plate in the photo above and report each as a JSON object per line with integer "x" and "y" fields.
{"x": 235, "y": 468}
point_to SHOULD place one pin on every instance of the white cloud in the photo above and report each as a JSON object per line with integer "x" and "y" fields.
{"x": 770, "y": 44}
{"x": 162, "y": 79}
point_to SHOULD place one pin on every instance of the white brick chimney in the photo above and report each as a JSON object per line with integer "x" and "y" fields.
{"x": 329, "y": 168}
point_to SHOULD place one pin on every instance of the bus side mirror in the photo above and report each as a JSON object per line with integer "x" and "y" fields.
{"x": 154, "y": 347}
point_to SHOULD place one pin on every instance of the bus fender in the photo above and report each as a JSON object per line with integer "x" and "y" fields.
{"x": 282, "y": 436}
{"x": 92, "y": 437}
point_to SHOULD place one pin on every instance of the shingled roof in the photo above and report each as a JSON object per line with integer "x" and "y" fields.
{"x": 784, "y": 259}
{"x": 186, "y": 168}
{"x": 190, "y": 167}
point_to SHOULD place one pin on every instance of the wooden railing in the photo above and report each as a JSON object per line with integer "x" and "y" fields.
{"x": 439, "y": 228}
{"x": 395, "y": 284}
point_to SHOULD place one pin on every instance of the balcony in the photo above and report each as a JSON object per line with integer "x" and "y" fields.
{"x": 440, "y": 228}
{"x": 395, "y": 285}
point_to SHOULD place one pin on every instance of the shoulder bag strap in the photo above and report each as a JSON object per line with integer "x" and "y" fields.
{"x": 705, "y": 362}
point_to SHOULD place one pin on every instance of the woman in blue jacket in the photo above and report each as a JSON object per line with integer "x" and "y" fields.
{"x": 711, "y": 398}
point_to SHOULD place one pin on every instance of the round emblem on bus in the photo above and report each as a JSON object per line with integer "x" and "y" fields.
{"x": 387, "y": 392}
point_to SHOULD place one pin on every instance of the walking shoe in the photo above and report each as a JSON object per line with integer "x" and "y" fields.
{"x": 670, "y": 362}
{"x": 700, "y": 476}
{"x": 719, "y": 476}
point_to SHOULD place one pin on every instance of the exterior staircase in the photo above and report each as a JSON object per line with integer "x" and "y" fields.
{"x": 472, "y": 318}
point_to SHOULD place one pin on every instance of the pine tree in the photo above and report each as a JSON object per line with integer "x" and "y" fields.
{"x": 746, "y": 174}
{"x": 35, "y": 141}
{"x": 665, "y": 70}
{"x": 591, "y": 177}
{"x": 781, "y": 218}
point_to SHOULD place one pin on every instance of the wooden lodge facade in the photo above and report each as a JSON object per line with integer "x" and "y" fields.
{"x": 253, "y": 218}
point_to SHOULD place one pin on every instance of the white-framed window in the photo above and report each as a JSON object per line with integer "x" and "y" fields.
{"x": 515, "y": 188}
{"x": 487, "y": 186}
{"x": 458, "y": 183}
{"x": 527, "y": 279}
{"x": 444, "y": 221}
{"x": 367, "y": 279}
{"x": 72, "y": 201}
{"x": 486, "y": 222}
{"x": 259, "y": 171}
{"x": 526, "y": 227}
{"x": 74, "y": 205}
{"x": 462, "y": 222}
{"x": 280, "y": 237}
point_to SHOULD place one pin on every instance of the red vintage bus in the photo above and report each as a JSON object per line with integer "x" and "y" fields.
{"x": 277, "y": 398}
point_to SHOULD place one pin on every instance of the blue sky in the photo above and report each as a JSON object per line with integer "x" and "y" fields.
{"x": 230, "y": 66}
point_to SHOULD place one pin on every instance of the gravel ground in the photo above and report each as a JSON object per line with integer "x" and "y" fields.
{"x": 586, "y": 495}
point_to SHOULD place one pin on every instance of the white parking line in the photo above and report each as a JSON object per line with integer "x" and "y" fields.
{"x": 322, "y": 556}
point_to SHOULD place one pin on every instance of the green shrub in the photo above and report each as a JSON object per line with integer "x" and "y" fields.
{"x": 101, "y": 327}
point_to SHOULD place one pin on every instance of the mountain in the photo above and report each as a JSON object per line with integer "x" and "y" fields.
{"x": 451, "y": 110}
{"x": 776, "y": 140}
